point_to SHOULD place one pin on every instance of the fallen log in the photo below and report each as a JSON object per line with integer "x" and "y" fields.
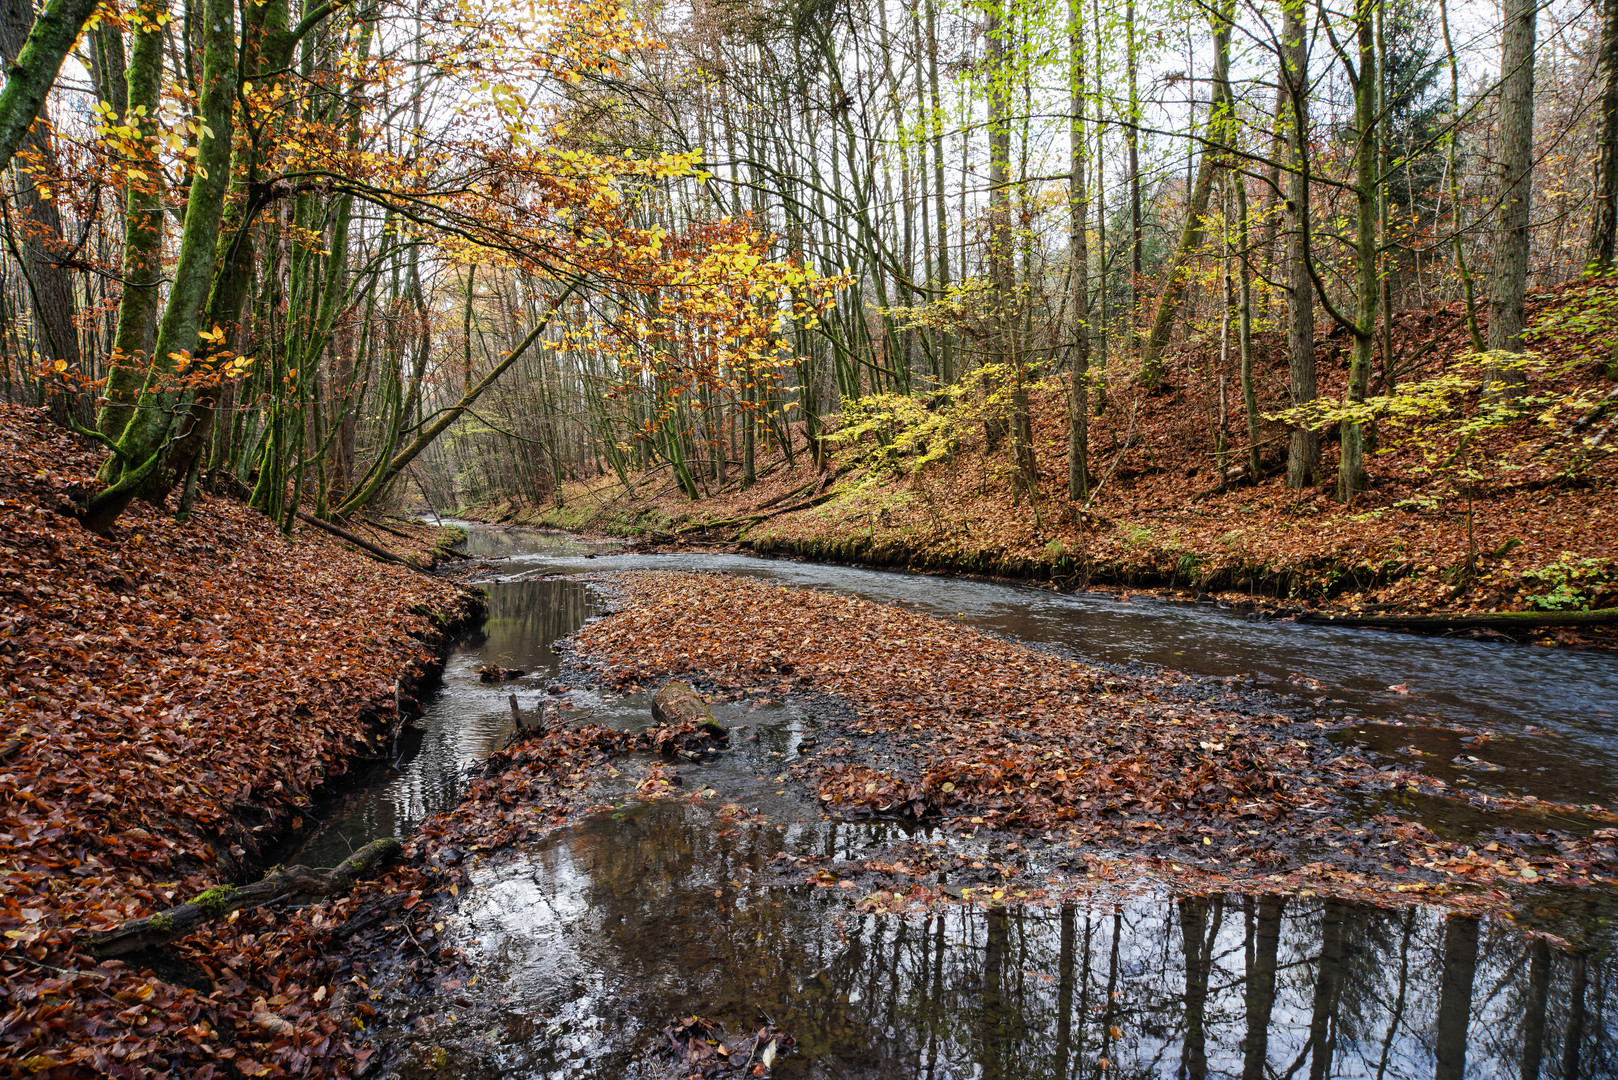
{"x": 676, "y": 703}
{"x": 401, "y": 534}
{"x": 381, "y": 554}
{"x": 1496, "y": 620}
{"x": 218, "y": 902}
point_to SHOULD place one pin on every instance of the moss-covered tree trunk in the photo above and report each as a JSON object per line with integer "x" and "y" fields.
{"x": 30, "y": 77}
{"x": 143, "y": 445}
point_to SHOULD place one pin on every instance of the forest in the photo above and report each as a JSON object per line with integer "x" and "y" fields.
{"x": 457, "y": 455}
{"x": 354, "y": 256}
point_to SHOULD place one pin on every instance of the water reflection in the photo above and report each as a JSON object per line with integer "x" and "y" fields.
{"x": 589, "y": 944}
{"x": 463, "y": 721}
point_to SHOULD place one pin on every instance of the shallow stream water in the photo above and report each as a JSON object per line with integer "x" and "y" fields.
{"x": 587, "y": 945}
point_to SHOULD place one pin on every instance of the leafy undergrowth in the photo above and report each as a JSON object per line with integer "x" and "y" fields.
{"x": 1543, "y": 527}
{"x": 983, "y": 732}
{"x": 173, "y": 695}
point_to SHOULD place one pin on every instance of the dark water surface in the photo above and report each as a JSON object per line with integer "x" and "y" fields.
{"x": 587, "y": 945}
{"x": 591, "y": 944}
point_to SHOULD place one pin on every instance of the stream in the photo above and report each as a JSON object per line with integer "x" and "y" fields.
{"x": 586, "y": 946}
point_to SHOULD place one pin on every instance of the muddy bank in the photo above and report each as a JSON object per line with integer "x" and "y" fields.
{"x": 177, "y": 697}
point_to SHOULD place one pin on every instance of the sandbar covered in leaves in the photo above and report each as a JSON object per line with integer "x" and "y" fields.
{"x": 944, "y": 721}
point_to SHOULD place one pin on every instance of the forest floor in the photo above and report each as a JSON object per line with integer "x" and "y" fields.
{"x": 173, "y": 697}
{"x": 1522, "y": 518}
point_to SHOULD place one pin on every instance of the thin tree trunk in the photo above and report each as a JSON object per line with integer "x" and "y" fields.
{"x": 946, "y": 349}
{"x": 1191, "y": 237}
{"x": 1078, "y": 435}
{"x": 1135, "y": 235}
{"x": 1452, "y": 138}
{"x": 40, "y": 240}
{"x": 1509, "y": 284}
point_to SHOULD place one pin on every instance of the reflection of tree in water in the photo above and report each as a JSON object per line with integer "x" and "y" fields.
{"x": 689, "y": 941}
{"x": 1256, "y": 987}
{"x": 1292, "y": 989}
{"x": 525, "y": 617}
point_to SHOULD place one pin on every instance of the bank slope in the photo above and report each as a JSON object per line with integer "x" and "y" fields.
{"x": 171, "y": 697}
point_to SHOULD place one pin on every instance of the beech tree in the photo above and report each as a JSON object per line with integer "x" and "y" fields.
{"x": 1303, "y": 443}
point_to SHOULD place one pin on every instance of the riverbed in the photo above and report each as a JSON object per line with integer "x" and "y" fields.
{"x": 588, "y": 944}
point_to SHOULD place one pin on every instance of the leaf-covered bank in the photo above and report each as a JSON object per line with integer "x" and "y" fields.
{"x": 175, "y": 695}
{"x": 946, "y": 722}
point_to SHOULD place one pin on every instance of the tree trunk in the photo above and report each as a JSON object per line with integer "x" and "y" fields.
{"x": 1191, "y": 237}
{"x": 1000, "y": 235}
{"x": 1452, "y": 140}
{"x": 1509, "y": 283}
{"x": 1078, "y": 441}
{"x": 40, "y": 240}
{"x": 947, "y": 346}
{"x": 1303, "y": 444}
{"x": 143, "y": 227}
{"x": 30, "y": 77}
{"x": 1351, "y": 462}
{"x": 1604, "y": 220}
{"x": 145, "y": 440}
{"x": 1135, "y": 235}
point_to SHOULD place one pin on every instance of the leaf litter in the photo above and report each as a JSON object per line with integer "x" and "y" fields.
{"x": 173, "y": 698}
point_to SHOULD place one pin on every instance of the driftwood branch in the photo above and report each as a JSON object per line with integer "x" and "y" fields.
{"x": 216, "y": 903}
{"x": 1443, "y": 624}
